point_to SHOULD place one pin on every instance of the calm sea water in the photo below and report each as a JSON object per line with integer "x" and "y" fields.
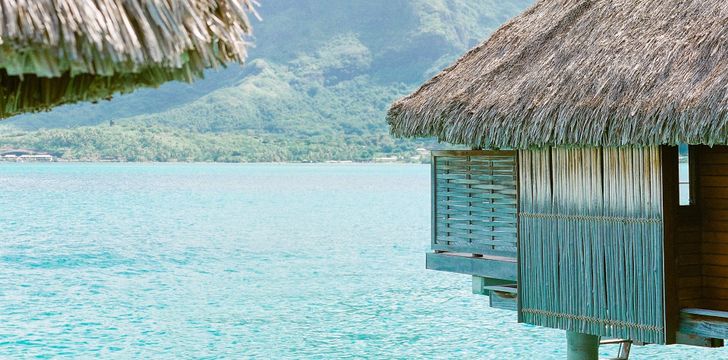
{"x": 215, "y": 261}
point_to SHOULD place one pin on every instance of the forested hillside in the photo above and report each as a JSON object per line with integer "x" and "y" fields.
{"x": 316, "y": 87}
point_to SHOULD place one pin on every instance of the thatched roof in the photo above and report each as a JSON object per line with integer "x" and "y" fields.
{"x": 584, "y": 72}
{"x": 60, "y": 51}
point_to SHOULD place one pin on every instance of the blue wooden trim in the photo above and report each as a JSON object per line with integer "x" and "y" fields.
{"x": 487, "y": 266}
{"x": 503, "y": 289}
{"x": 706, "y": 312}
{"x": 472, "y": 152}
{"x": 503, "y": 301}
{"x": 705, "y": 323}
{"x": 503, "y": 297}
{"x": 473, "y": 250}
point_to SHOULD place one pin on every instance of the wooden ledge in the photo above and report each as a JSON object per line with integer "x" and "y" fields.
{"x": 494, "y": 267}
{"x": 706, "y": 312}
{"x": 712, "y": 324}
{"x": 512, "y": 289}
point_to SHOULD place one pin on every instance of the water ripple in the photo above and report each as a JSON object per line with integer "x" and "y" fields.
{"x": 213, "y": 261}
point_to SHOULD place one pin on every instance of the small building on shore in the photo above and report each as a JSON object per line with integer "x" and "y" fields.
{"x": 575, "y": 207}
{"x": 37, "y": 157}
{"x": 21, "y": 155}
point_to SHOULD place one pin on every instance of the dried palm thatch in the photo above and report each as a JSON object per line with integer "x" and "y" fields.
{"x": 60, "y": 51}
{"x": 584, "y": 72}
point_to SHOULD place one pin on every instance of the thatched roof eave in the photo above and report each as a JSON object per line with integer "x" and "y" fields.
{"x": 55, "y": 52}
{"x": 575, "y": 73}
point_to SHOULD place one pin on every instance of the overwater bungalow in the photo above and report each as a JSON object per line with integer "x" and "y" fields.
{"x": 57, "y": 52}
{"x": 573, "y": 207}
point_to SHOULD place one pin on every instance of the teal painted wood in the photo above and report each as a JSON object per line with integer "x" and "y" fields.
{"x": 479, "y": 284}
{"x": 486, "y": 266}
{"x": 475, "y": 202}
{"x": 503, "y": 301}
{"x": 706, "y": 312}
{"x": 697, "y": 340}
{"x": 705, "y": 323}
{"x": 504, "y": 288}
{"x": 504, "y": 297}
{"x": 482, "y": 284}
{"x": 591, "y": 241}
{"x": 581, "y": 346}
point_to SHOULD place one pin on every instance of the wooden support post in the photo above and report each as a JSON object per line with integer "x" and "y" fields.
{"x": 670, "y": 193}
{"x": 582, "y": 346}
{"x": 479, "y": 285}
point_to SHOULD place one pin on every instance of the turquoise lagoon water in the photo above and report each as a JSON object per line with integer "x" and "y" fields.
{"x": 267, "y": 261}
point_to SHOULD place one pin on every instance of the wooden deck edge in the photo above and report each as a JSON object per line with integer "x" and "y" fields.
{"x": 487, "y": 266}
{"x": 709, "y": 324}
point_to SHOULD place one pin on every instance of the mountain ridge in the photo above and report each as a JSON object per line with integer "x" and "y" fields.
{"x": 316, "y": 87}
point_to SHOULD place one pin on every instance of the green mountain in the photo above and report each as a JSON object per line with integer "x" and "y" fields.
{"x": 316, "y": 87}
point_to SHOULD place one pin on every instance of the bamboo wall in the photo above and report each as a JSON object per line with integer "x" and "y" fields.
{"x": 591, "y": 241}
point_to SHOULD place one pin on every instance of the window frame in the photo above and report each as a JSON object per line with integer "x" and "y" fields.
{"x": 692, "y": 177}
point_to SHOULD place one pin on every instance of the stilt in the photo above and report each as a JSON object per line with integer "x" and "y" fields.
{"x": 582, "y": 346}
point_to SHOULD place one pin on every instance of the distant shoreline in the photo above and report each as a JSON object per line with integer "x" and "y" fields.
{"x": 219, "y": 162}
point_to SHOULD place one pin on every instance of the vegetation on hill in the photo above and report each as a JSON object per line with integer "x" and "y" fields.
{"x": 317, "y": 87}
{"x": 160, "y": 143}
